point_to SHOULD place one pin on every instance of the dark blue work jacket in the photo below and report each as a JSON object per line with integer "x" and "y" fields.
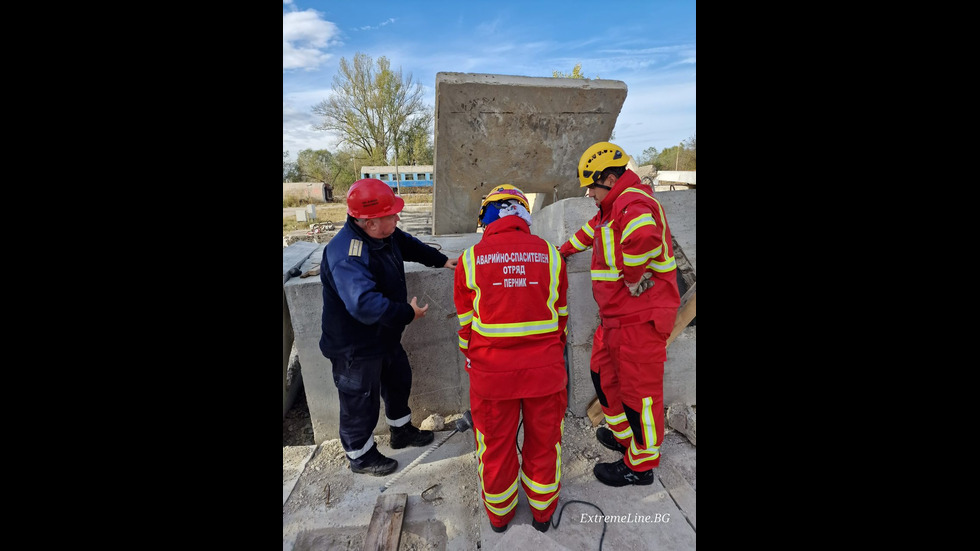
{"x": 365, "y": 301}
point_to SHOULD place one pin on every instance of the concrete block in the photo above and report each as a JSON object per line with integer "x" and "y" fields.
{"x": 440, "y": 385}
{"x": 681, "y": 208}
{"x": 438, "y": 382}
{"x": 681, "y": 368}
{"x": 525, "y": 131}
{"x": 293, "y": 256}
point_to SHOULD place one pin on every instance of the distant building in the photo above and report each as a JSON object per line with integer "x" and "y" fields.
{"x": 408, "y": 176}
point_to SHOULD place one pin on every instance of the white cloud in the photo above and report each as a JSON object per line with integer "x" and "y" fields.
{"x": 388, "y": 21}
{"x": 304, "y": 36}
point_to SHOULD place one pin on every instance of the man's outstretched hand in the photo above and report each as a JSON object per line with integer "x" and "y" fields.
{"x": 419, "y": 312}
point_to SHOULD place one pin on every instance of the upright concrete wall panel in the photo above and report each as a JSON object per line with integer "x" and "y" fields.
{"x": 439, "y": 384}
{"x": 525, "y": 131}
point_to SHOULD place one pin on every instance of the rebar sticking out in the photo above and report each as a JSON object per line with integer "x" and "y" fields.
{"x": 462, "y": 425}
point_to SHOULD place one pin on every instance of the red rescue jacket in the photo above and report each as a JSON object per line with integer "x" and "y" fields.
{"x": 629, "y": 235}
{"x": 511, "y": 292}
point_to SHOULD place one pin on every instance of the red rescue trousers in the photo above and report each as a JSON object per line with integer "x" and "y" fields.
{"x": 495, "y": 427}
{"x": 628, "y": 373}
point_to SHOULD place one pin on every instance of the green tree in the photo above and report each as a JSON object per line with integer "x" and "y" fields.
{"x": 679, "y": 157}
{"x": 648, "y": 157}
{"x": 314, "y": 165}
{"x": 290, "y": 172}
{"x": 415, "y": 144}
{"x": 372, "y": 107}
{"x": 345, "y": 168}
{"x": 691, "y": 146}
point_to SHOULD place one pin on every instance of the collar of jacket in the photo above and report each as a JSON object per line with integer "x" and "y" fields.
{"x": 372, "y": 242}
{"x": 505, "y": 224}
{"x": 628, "y": 179}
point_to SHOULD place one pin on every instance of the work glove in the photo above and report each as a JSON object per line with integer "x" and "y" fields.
{"x": 636, "y": 289}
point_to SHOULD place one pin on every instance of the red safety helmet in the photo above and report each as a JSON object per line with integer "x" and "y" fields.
{"x": 372, "y": 198}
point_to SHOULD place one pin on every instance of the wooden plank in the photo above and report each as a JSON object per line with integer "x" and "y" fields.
{"x": 686, "y": 313}
{"x": 385, "y": 530}
{"x": 595, "y": 412}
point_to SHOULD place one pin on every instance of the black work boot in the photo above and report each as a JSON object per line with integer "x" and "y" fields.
{"x": 408, "y": 435}
{"x": 618, "y": 474}
{"x": 606, "y": 438}
{"x": 373, "y": 463}
{"x": 541, "y": 526}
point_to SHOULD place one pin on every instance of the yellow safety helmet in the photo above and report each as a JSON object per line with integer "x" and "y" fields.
{"x": 502, "y": 192}
{"x": 597, "y": 158}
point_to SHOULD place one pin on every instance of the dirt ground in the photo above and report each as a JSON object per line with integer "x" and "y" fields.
{"x": 579, "y": 447}
{"x": 297, "y": 428}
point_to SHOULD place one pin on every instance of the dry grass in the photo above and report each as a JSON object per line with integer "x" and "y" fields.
{"x": 335, "y": 212}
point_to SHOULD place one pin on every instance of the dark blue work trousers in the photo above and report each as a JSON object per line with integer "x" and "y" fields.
{"x": 362, "y": 383}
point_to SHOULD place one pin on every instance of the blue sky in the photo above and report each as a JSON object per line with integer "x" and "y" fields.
{"x": 649, "y": 45}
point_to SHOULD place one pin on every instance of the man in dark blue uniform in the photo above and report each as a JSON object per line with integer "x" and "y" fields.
{"x": 365, "y": 311}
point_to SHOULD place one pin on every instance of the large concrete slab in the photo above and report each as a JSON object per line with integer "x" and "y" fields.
{"x": 526, "y": 131}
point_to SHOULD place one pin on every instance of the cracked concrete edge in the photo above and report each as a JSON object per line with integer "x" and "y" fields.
{"x": 680, "y": 491}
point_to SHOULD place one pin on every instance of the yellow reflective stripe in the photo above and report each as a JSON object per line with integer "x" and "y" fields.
{"x": 554, "y": 270}
{"x": 636, "y": 458}
{"x": 541, "y": 505}
{"x": 481, "y": 448}
{"x": 469, "y": 269}
{"x": 639, "y": 456}
{"x": 501, "y": 510}
{"x": 577, "y": 244}
{"x": 502, "y": 496}
{"x": 536, "y": 327}
{"x": 639, "y": 259}
{"x": 563, "y": 311}
{"x": 663, "y": 266}
{"x": 624, "y": 434}
{"x": 649, "y": 427}
{"x": 644, "y": 219}
{"x": 515, "y": 329}
{"x": 617, "y": 419}
{"x": 637, "y": 190}
{"x": 608, "y": 246}
{"x": 668, "y": 263}
{"x": 587, "y": 229}
{"x": 465, "y": 318}
{"x": 547, "y": 488}
{"x": 606, "y": 275}
{"x": 539, "y": 488}
{"x": 464, "y": 343}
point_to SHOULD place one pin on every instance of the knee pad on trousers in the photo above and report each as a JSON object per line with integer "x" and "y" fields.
{"x": 598, "y": 389}
{"x": 633, "y": 417}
